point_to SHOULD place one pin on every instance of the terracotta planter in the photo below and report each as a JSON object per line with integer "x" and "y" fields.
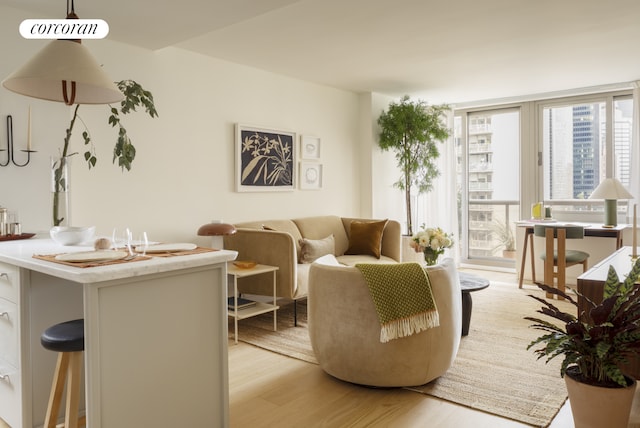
{"x": 509, "y": 254}
{"x": 595, "y": 406}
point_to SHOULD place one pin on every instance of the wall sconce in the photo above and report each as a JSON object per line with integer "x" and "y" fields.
{"x": 10, "y": 149}
{"x": 216, "y": 230}
{"x": 610, "y": 189}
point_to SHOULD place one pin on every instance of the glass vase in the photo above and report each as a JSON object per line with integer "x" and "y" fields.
{"x": 60, "y": 190}
{"x": 431, "y": 256}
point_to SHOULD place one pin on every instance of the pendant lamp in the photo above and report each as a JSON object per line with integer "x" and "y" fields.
{"x": 64, "y": 71}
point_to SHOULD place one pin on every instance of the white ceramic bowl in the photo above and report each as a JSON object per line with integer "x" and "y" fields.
{"x": 70, "y": 235}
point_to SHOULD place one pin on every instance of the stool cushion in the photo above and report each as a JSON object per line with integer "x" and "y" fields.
{"x": 572, "y": 256}
{"x": 64, "y": 337}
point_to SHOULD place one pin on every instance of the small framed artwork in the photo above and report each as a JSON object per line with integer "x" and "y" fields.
{"x": 310, "y": 175}
{"x": 265, "y": 159}
{"x": 309, "y": 147}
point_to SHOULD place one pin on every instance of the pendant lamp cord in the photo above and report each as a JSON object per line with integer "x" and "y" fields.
{"x": 69, "y": 88}
{"x": 71, "y": 12}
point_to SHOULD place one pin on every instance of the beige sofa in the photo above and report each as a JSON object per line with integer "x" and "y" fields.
{"x": 278, "y": 243}
{"x": 345, "y": 331}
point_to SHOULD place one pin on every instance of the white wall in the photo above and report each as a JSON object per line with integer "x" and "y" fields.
{"x": 183, "y": 175}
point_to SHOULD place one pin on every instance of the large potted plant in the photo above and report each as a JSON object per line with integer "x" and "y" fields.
{"x": 596, "y": 346}
{"x": 412, "y": 129}
{"x": 124, "y": 151}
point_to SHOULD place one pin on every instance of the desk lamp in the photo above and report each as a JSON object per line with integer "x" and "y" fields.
{"x": 610, "y": 189}
{"x": 216, "y": 230}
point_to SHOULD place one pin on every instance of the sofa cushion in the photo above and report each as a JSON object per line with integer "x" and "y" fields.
{"x": 311, "y": 249}
{"x": 320, "y": 227}
{"x": 365, "y": 237}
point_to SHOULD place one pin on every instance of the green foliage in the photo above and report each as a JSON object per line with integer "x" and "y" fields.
{"x": 411, "y": 130}
{"x": 124, "y": 151}
{"x": 603, "y": 338}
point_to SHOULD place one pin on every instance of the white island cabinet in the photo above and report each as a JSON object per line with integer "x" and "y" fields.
{"x": 155, "y": 336}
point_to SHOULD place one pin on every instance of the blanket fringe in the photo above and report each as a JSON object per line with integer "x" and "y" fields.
{"x": 410, "y": 325}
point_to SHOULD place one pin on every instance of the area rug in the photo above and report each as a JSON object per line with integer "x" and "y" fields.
{"x": 493, "y": 371}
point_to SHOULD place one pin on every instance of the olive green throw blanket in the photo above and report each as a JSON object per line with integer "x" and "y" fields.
{"x": 402, "y": 296}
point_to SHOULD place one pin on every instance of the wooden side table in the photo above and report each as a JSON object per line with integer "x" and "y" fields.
{"x": 260, "y": 307}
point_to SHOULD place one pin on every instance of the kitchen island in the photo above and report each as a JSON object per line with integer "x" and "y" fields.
{"x": 155, "y": 336}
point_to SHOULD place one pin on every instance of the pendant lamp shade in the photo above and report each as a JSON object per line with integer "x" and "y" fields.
{"x": 64, "y": 71}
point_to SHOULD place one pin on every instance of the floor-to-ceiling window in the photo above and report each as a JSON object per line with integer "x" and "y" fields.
{"x": 488, "y": 149}
{"x": 555, "y": 150}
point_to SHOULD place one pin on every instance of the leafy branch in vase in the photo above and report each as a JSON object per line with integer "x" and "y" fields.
{"x": 124, "y": 151}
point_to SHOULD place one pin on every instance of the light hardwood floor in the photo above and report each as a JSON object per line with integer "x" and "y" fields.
{"x": 268, "y": 390}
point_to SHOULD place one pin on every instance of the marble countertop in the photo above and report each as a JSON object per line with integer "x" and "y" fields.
{"x": 20, "y": 253}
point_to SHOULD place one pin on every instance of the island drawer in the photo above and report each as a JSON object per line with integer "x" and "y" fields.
{"x": 10, "y": 394}
{"x": 9, "y": 331}
{"x": 9, "y": 282}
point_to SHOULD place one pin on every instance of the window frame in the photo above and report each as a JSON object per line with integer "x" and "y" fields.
{"x": 587, "y": 210}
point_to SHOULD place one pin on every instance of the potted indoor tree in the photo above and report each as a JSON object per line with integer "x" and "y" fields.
{"x": 503, "y": 234}
{"x": 124, "y": 151}
{"x": 411, "y": 130}
{"x": 596, "y": 346}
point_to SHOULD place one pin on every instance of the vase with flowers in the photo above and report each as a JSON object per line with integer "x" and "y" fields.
{"x": 431, "y": 241}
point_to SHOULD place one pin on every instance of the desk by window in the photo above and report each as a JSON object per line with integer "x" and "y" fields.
{"x": 590, "y": 229}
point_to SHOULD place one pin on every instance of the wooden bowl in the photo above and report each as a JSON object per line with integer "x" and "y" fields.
{"x": 243, "y": 264}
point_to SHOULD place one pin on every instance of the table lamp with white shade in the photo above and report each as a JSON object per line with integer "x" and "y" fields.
{"x": 610, "y": 189}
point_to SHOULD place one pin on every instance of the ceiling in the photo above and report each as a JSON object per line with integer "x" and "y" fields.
{"x": 452, "y": 51}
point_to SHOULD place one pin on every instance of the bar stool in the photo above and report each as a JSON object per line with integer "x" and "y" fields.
{"x": 67, "y": 339}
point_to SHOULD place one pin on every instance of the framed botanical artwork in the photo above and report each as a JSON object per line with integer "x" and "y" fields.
{"x": 265, "y": 159}
{"x": 309, "y": 147}
{"x": 310, "y": 175}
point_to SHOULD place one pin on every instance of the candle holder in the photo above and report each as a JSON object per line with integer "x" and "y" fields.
{"x": 10, "y": 150}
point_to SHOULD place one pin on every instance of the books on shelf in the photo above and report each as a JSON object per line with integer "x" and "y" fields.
{"x": 242, "y": 303}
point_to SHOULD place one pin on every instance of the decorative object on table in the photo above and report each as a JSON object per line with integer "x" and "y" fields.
{"x": 610, "y": 189}
{"x": 309, "y": 147}
{"x": 411, "y": 130}
{"x": 431, "y": 242}
{"x": 65, "y": 71}
{"x": 310, "y": 175}
{"x": 244, "y": 264}
{"x": 536, "y": 211}
{"x": 10, "y": 149}
{"x": 217, "y": 229}
{"x": 265, "y": 159}
{"x": 595, "y": 346}
{"x": 102, "y": 244}
{"x": 69, "y": 235}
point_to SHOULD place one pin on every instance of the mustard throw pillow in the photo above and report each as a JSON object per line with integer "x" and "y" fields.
{"x": 365, "y": 237}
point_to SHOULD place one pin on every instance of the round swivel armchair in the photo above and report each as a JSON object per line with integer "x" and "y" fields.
{"x": 345, "y": 331}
